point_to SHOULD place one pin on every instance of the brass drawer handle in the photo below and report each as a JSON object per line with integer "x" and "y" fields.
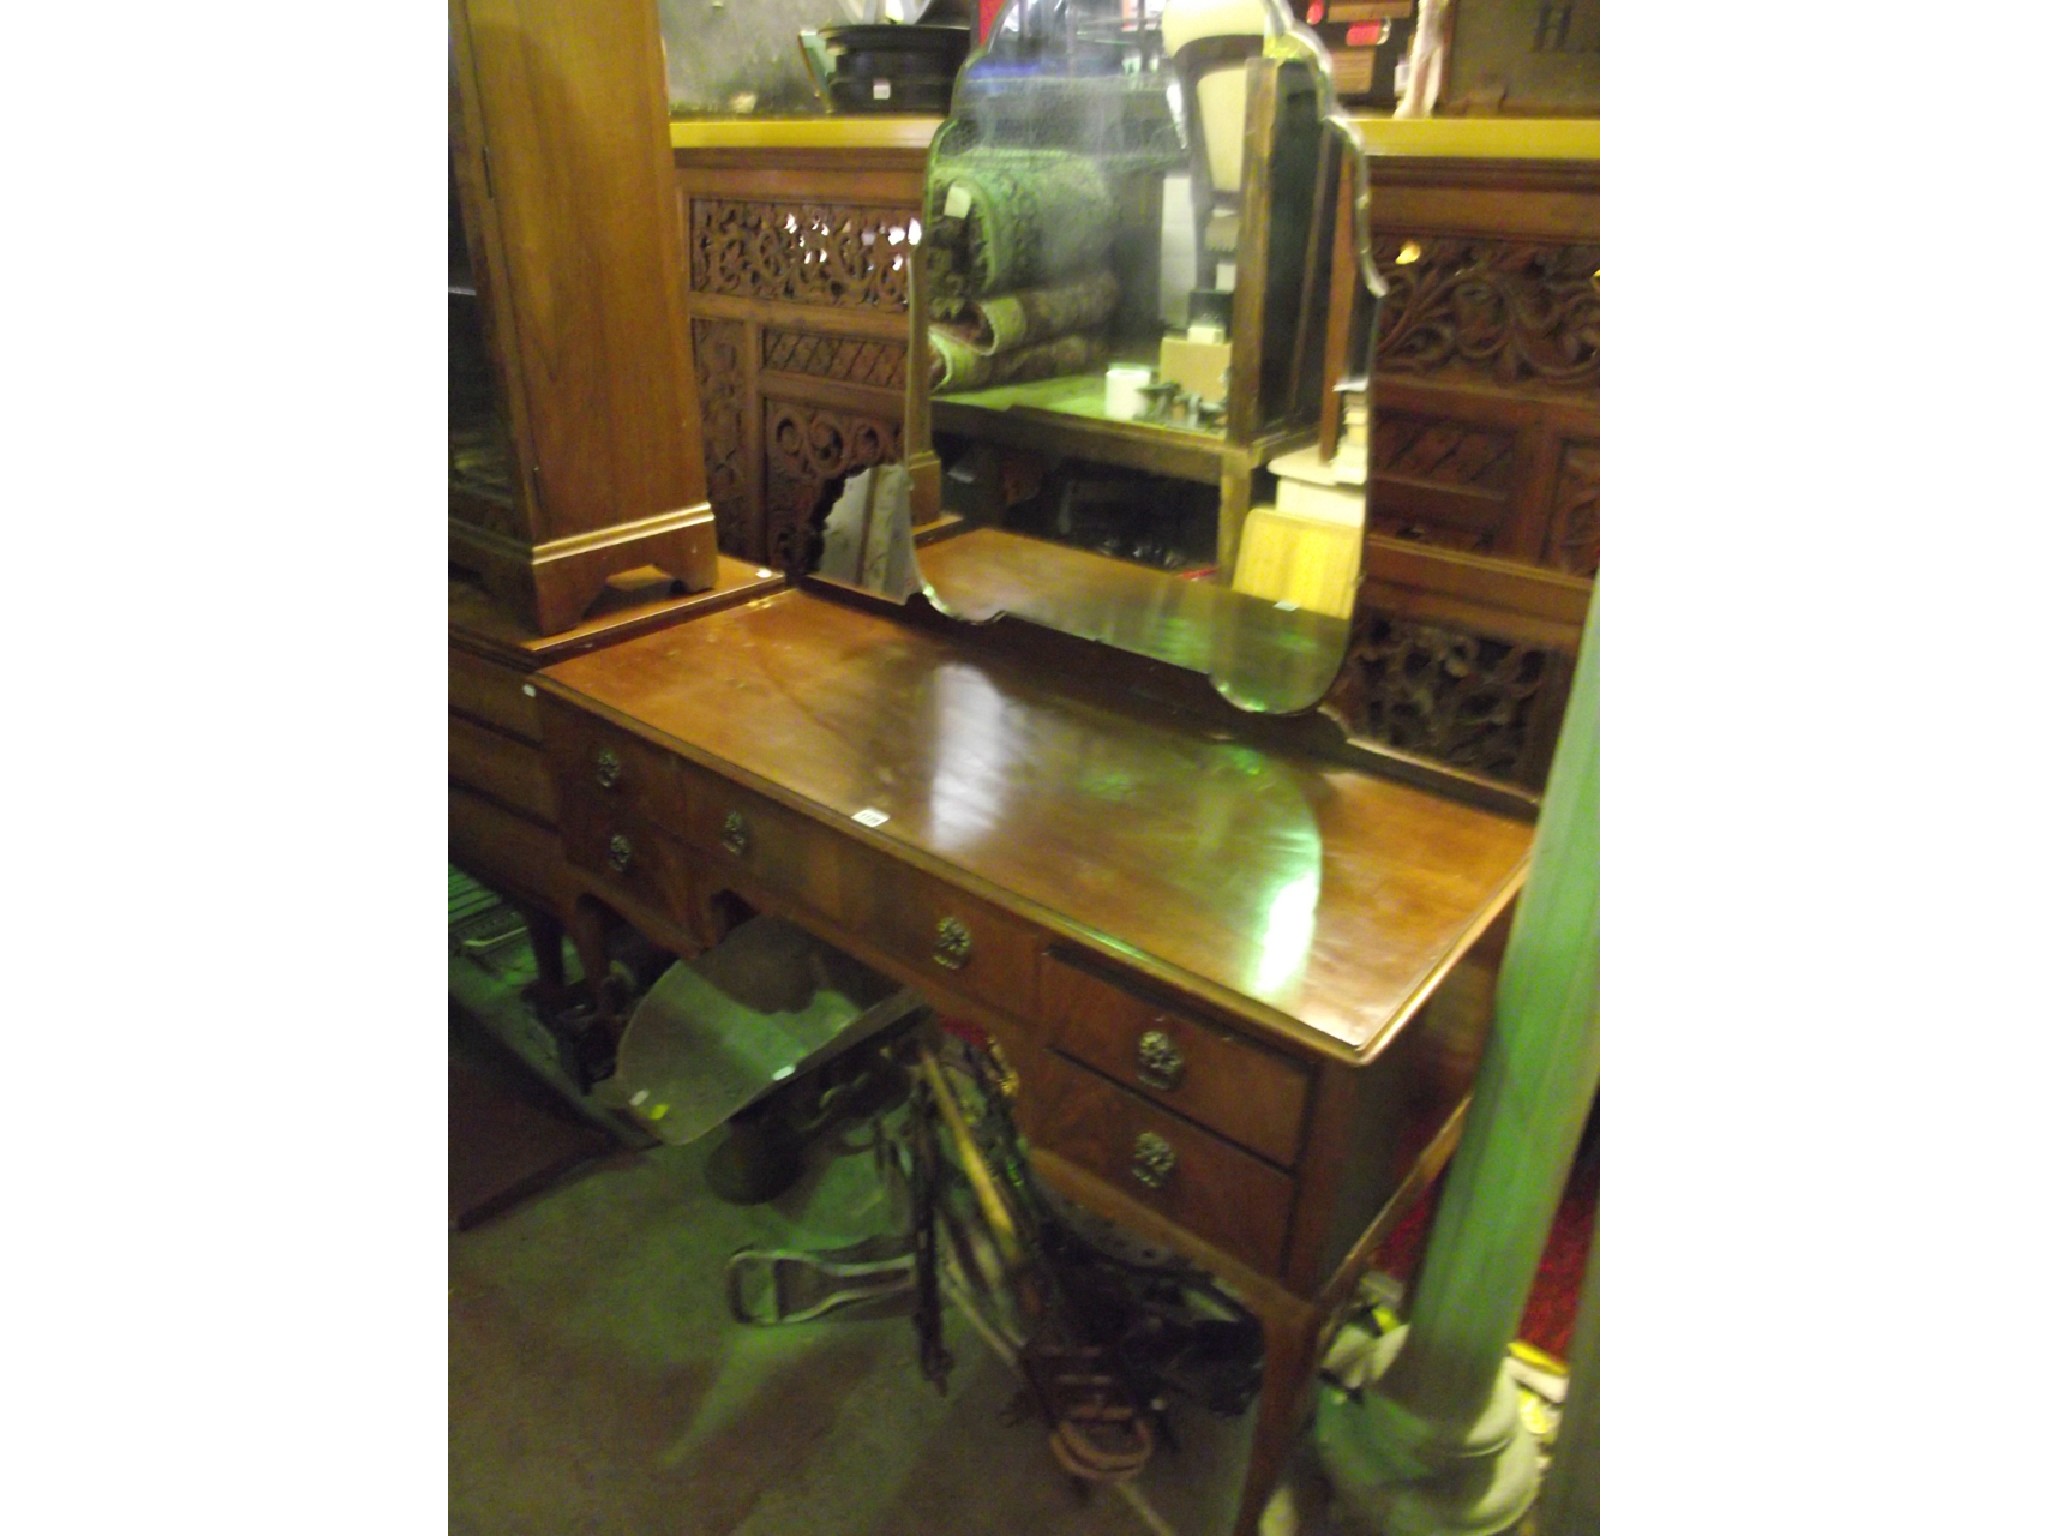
{"x": 608, "y": 768}
{"x": 1160, "y": 1063}
{"x": 954, "y": 944}
{"x": 1152, "y": 1160}
{"x": 619, "y": 851}
{"x": 732, "y": 833}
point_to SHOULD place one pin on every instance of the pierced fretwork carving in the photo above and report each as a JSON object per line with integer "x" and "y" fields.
{"x": 721, "y": 382}
{"x": 1461, "y": 699}
{"x": 1515, "y": 310}
{"x": 811, "y": 442}
{"x": 849, "y": 359}
{"x": 1575, "y": 522}
{"x": 803, "y": 253}
{"x": 808, "y": 445}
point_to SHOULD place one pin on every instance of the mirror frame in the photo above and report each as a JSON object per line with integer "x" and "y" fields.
{"x": 1242, "y": 660}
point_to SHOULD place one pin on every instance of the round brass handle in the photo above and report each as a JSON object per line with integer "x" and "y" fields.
{"x": 732, "y": 833}
{"x": 1160, "y": 1063}
{"x": 1152, "y": 1160}
{"x": 954, "y": 944}
{"x": 608, "y": 768}
{"x": 619, "y": 851}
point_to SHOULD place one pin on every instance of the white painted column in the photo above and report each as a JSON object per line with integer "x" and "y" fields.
{"x": 1436, "y": 1444}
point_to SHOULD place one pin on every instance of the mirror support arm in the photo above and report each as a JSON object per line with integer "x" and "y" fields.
{"x": 1248, "y": 322}
{"x": 1344, "y": 278}
{"x": 926, "y": 483}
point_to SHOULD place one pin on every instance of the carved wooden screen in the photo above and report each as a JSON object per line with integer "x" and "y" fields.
{"x": 798, "y": 267}
{"x": 1485, "y": 521}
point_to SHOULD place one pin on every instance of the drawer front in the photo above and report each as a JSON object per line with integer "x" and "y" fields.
{"x": 493, "y": 693}
{"x": 942, "y": 933}
{"x": 510, "y": 771}
{"x": 1193, "y": 1179}
{"x": 1256, "y": 1097}
{"x": 608, "y": 767}
{"x": 629, "y": 855}
{"x": 741, "y": 834}
{"x": 505, "y": 850}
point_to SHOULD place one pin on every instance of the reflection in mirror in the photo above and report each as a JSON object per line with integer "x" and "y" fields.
{"x": 1142, "y": 315}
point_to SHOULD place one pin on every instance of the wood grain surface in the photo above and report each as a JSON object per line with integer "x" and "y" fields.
{"x": 1321, "y": 904}
{"x": 571, "y": 104}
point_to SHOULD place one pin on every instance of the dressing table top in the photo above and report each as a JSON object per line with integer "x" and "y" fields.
{"x": 1318, "y": 903}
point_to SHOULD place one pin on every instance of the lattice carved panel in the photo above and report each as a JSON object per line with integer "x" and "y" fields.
{"x": 1461, "y": 699}
{"x": 1432, "y": 452}
{"x": 835, "y": 254}
{"x": 807, "y": 445}
{"x": 721, "y": 390}
{"x": 1575, "y": 521}
{"x": 847, "y": 359}
{"x": 1512, "y": 310}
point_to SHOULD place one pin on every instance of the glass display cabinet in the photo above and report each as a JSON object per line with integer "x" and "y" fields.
{"x": 573, "y": 446}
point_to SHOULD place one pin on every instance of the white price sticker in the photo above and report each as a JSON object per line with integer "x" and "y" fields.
{"x": 958, "y": 201}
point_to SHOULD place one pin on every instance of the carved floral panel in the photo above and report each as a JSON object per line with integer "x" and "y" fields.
{"x": 1515, "y": 311}
{"x": 803, "y": 253}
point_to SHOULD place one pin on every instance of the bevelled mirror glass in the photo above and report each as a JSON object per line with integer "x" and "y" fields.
{"x": 1142, "y": 310}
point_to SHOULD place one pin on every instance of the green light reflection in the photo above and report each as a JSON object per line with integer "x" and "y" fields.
{"x": 1290, "y": 929}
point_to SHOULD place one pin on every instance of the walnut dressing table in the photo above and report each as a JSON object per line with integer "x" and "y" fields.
{"x": 1243, "y": 987}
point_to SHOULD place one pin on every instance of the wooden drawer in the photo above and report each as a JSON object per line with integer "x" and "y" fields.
{"x": 940, "y": 932}
{"x": 1256, "y": 1097}
{"x": 510, "y": 771}
{"x": 505, "y": 850}
{"x": 629, "y": 855}
{"x": 1212, "y": 1189}
{"x": 606, "y": 766}
{"x": 745, "y": 836}
{"x": 494, "y": 693}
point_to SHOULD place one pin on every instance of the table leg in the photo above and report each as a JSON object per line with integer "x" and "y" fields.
{"x": 586, "y": 932}
{"x": 1290, "y": 1336}
{"x": 545, "y": 933}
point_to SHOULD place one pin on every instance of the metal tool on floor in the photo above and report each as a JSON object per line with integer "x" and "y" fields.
{"x": 767, "y": 1286}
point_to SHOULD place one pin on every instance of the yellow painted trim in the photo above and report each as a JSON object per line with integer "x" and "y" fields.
{"x": 852, "y": 131}
{"x": 1482, "y": 138}
{"x": 1475, "y": 138}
